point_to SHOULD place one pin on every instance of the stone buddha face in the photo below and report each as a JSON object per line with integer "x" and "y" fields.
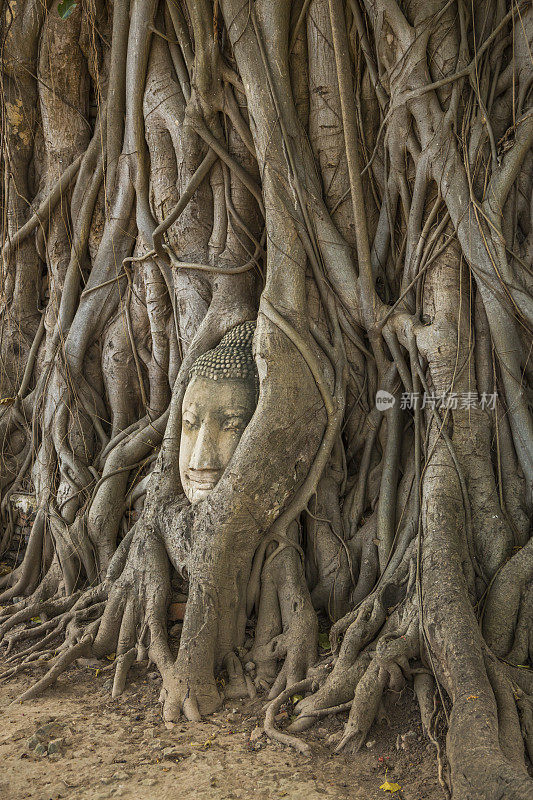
{"x": 218, "y": 404}
{"x": 214, "y": 416}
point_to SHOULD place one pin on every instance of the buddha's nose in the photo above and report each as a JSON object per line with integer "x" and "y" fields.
{"x": 205, "y": 451}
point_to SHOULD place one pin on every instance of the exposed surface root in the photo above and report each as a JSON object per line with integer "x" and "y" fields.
{"x": 272, "y": 709}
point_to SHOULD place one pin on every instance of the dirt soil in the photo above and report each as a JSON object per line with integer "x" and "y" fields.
{"x": 107, "y": 748}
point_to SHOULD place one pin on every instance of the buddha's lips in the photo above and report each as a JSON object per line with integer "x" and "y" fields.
{"x": 204, "y": 479}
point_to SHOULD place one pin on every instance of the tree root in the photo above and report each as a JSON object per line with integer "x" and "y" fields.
{"x": 63, "y": 661}
{"x": 272, "y": 709}
{"x": 48, "y": 608}
{"x": 426, "y": 693}
{"x": 52, "y": 628}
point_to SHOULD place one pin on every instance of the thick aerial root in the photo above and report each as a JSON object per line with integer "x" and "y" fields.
{"x": 524, "y": 703}
{"x": 385, "y": 670}
{"x": 239, "y": 684}
{"x": 364, "y": 707}
{"x": 123, "y": 664}
{"x": 361, "y": 627}
{"x": 287, "y": 625}
{"x": 338, "y": 688}
{"x": 297, "y": 648}
{"x": 522, "y": 649}
{"x": 509, "y": 732}
{"x": 191, "y": 710}
{"x": 48, "y": 588}
{"x": 25, "y": 579}
{"x": 363, "y": 670}
{"x": 483, "y": 710}
{"x": 193, "y": 695}
{"x": 358, "y": 627}
{"x": 508, "y": 594}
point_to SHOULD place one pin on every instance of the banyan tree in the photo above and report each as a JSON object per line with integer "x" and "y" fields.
{"x": 266, "y": 345}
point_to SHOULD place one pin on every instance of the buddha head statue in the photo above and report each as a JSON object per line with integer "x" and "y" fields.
{"x": 218, "y": 404}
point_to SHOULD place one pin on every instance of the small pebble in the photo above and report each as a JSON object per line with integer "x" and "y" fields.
{"x": 256, "y": 734}
{"x": 173, "y": 753}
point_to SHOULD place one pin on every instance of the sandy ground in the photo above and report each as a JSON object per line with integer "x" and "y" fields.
{"x": 121, "y": 748}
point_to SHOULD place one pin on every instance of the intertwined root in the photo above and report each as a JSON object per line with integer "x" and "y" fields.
{"x": 374, "y": 656}
{"x": 381, "y": 650}
{"x": 121, "y": 616}
{"x": 112, "y": 617}
{"x": 75, "y": 627}
{"x": 66, "y": 632}
{"x": 440, "y": 218}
